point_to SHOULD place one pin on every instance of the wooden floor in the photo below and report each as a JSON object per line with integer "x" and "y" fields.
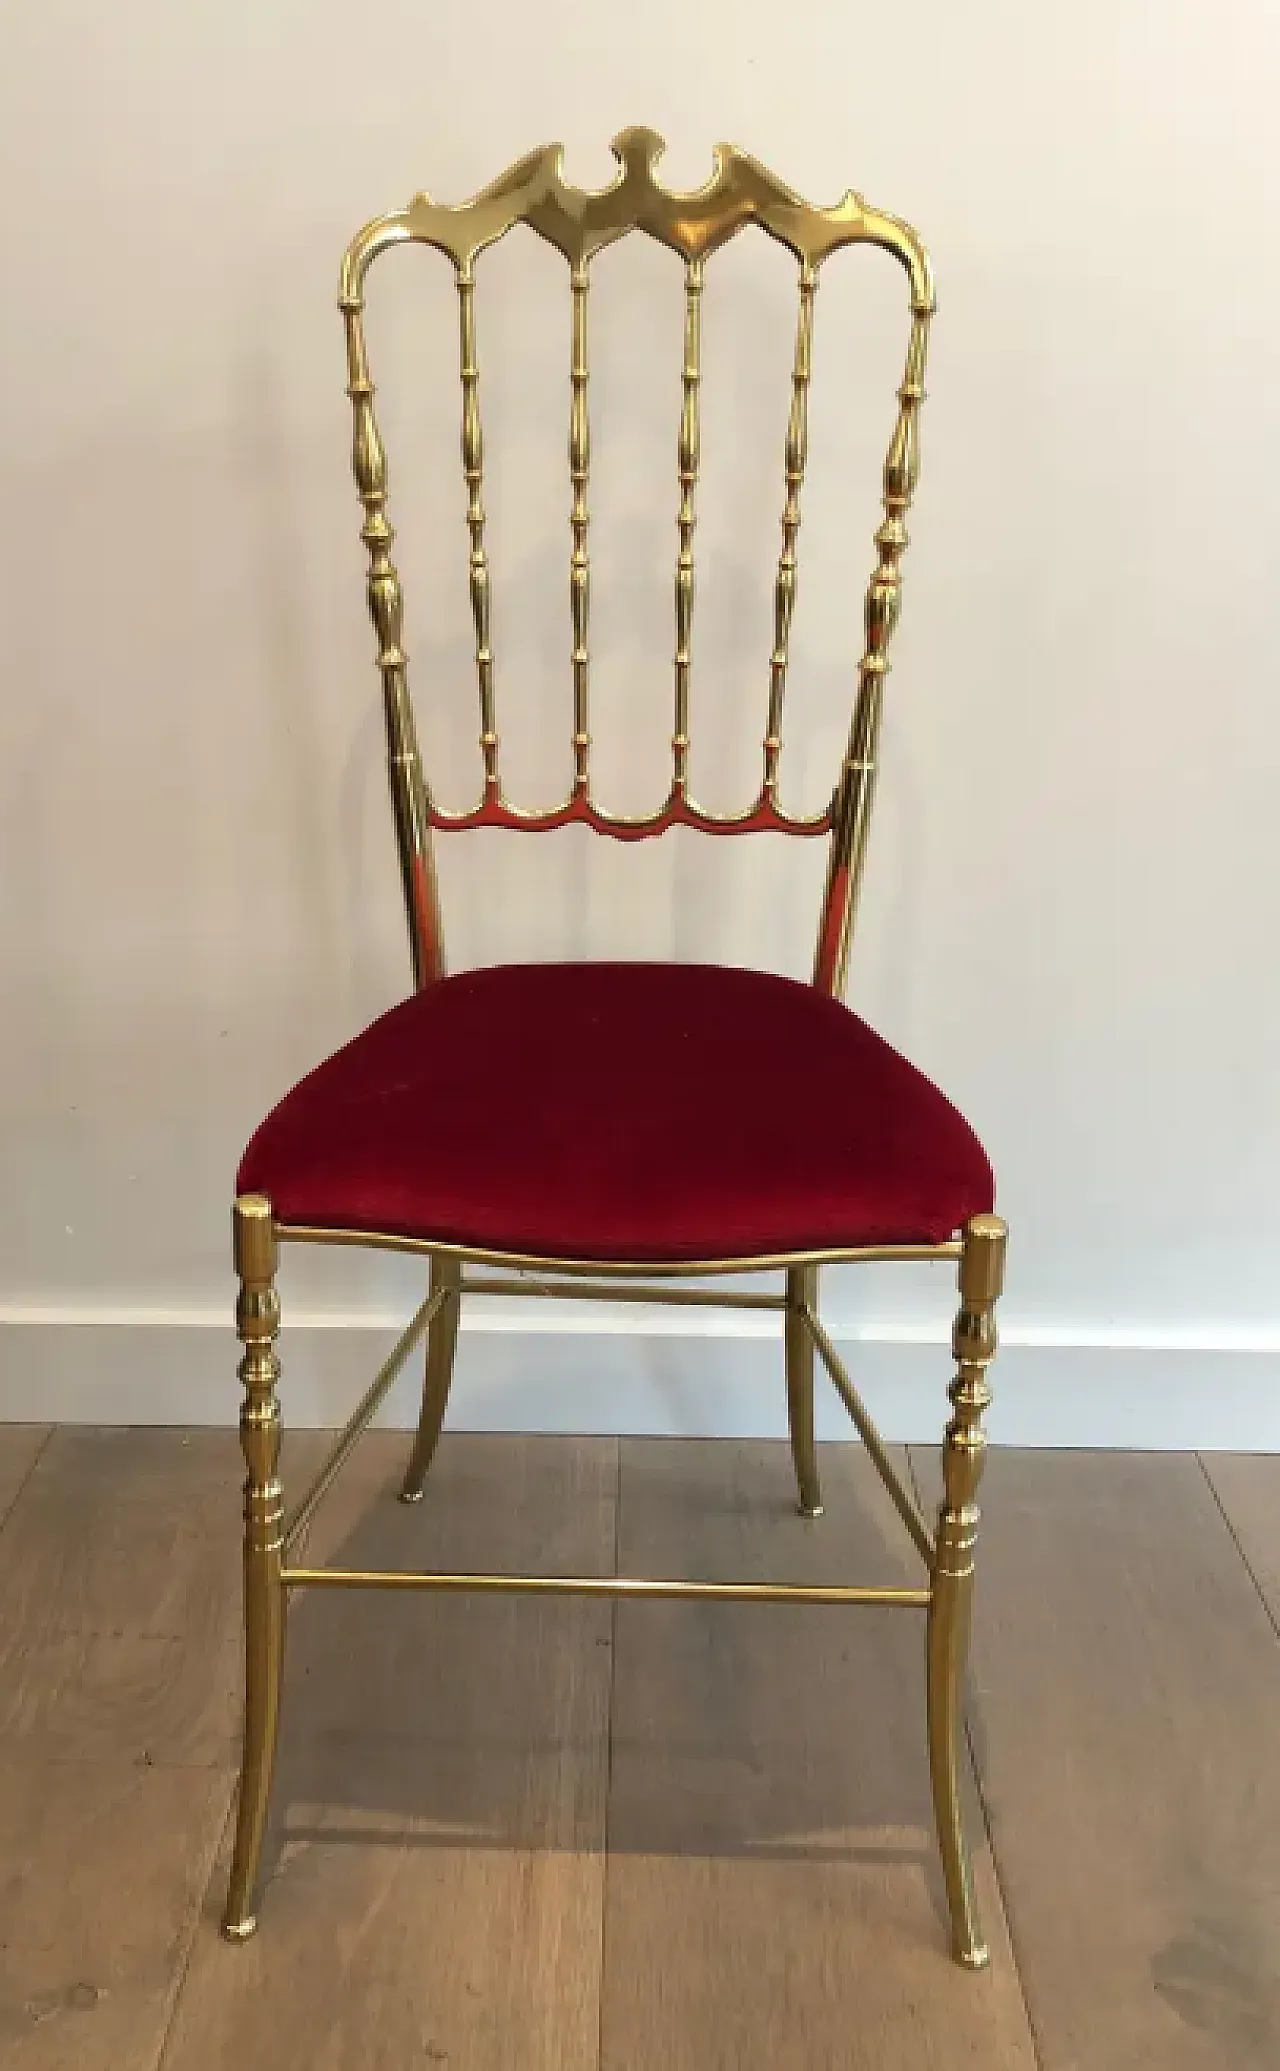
{"x": 547, "y": 1836}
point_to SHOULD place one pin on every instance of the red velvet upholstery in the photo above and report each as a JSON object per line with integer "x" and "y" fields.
{"x": 621, "y": 1111}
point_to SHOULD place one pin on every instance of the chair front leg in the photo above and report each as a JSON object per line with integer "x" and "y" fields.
{"x": 981, "y": 1280}
{"x": 802, "y": 1288}
{"x": 257, "y": 1323}
{"x": 442, "y": 1343}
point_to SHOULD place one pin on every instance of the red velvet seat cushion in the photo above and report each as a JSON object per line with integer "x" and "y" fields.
{"x": 621, "y": 1111}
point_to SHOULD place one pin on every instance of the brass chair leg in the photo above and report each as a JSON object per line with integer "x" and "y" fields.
{"x": 442, "y": 1342}
{"x": 257, "y": 1322}
{"x": 981, "y": 1279}
{"x": 802, "y": 1288}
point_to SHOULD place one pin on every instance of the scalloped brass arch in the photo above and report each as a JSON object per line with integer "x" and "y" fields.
{"x": 581, "y": 221}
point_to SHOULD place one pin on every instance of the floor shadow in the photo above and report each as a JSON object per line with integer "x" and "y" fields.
{"x": 773, "y": 1733}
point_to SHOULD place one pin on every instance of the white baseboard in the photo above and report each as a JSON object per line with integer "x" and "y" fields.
{"x": 659, "y": 1372}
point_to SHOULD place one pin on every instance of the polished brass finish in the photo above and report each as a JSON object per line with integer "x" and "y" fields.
{"x": 796, "y": 460}
{"x": 445, "y": 1300}
{"x": 802, "y": 1292}
{"x": 386, "y": 608}
{"x": 307, "y": 1233}
{"x": 580, "y": 222}
{"x": 964, "y": 1450}
{"x": 473, "y": 474}
{"x": 855, "y": 790}
{"x": 609, "y": 1586}
{"x": 624, "y": 1291}
{"x": 361, "y": 1418}
{"x": 689, "y": 453}
{"x": 579, "y": 562}
{"x": 905, "y": 1505}
{"x": 257, "y": 1323}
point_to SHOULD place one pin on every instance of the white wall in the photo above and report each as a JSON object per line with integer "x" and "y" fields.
{"x": 1071, "y": 912}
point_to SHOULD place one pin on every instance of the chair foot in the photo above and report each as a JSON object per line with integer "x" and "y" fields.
{"x": 265, "y": 1661}
{"x": 809, "y": 1510}
{"x": 947, "y": 1649}
{"x": 408, "y": 1495}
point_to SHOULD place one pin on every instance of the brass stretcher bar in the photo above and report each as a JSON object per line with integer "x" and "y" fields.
{"x": 608, "y": 1585}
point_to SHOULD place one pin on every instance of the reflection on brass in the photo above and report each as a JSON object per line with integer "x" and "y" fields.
{"x": 257, "y": 1323}
{"x": 797, "y": 459}
{"x": 386, "y": 608}
{"x": 689, "y": 453}
{"x": 693, "y": 1268}
{"x": 852, "y": 806}
{"x": 964, "y": 1451}
{"x": 580, "y": 223}
{"x": 622, "y": 1291}
{"x": 802, "y": 1292}
{"x": 579, "y": 563}
{"x": 610, "y": 1585}
{"x": 444, "y": 1303}
{"x": 473, "y": 475}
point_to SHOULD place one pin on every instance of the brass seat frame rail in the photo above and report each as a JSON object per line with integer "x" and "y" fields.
{"x": 622, "y": 1291}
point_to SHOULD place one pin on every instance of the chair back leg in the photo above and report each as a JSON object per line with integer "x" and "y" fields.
{"x": 802, "y": 1291}
{"x": 442, "y": 1343}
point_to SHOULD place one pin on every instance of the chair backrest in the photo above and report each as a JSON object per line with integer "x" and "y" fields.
{"x": 580, "y": 222}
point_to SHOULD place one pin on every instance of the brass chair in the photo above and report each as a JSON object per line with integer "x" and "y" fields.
{"x": 452, "y": 1126}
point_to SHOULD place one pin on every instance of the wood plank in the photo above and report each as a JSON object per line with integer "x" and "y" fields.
{"x": 436, "y": 1869}
{"x": 20, "y": 1446}
{"x": 119, "y": 1615}
{"x": 774, "y": 1894}
{"x": 1247, "y": 1485}
{"x": 1125, "y": 1712}
{"x": 102, "y": 1868}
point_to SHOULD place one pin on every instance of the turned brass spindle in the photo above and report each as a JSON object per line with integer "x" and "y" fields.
{"x": 473, "y": 471}
{"x": 257, "y": 1324}
{"x": 950, "y": 1612}
{"x": 386, "y": 609}
{"x": 690, "y": 443}
{"x": 795, "y": 462}
{"x": 579, "y": 222}
{"x": 579, "y": 565}
{"x": 856, "y": 787}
